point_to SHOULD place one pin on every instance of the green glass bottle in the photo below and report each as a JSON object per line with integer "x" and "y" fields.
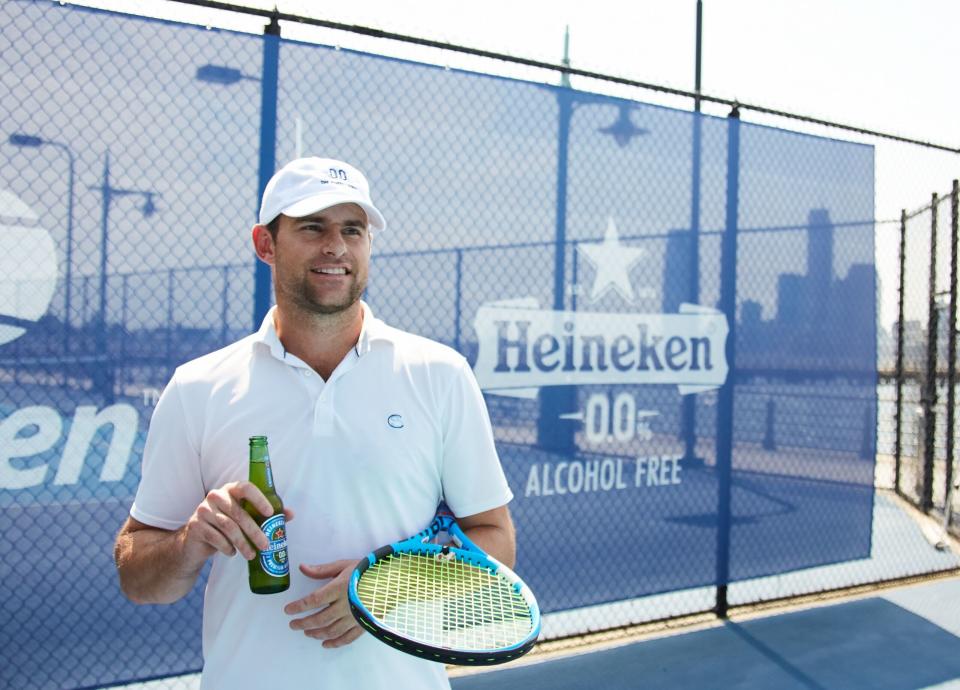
{"x": 270, "y": 569}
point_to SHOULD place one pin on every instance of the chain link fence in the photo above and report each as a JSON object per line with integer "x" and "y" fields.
{"x": 732, "y": 426}
{"x": 924, "y": 375}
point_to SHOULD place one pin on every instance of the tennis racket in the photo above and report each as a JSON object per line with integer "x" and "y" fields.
{"x": 438, "y": 596}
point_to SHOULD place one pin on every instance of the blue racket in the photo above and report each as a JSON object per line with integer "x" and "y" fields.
{"x": 438, "y": 596}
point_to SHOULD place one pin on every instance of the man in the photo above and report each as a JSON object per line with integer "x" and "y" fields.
{"x": 369, "y": 427}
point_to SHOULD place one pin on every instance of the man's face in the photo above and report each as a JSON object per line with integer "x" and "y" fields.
{"x": 321, "y": 261}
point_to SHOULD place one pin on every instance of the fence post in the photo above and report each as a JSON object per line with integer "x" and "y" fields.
{"x": 124, "y": 366}
{"x": 868, "y": 446}
{"x": 458, "y": 302}
{"x": 225, "y": 307}
{"x": 168, "y": 340}
{"x": 898, "y": 371}
{"x": 553, "y": 433}
{"x": 769, "y": 433}
{"x": 725, "y": 397}
{"x": 268, "y": 153}
{"x": 929, "y": 398}
{"x": 952, "y": 341}
{"x": 689, "y": 401}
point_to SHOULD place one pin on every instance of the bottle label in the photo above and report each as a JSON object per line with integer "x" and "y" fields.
{"x": 274, "y": 559}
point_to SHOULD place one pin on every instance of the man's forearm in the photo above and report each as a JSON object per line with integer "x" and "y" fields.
{"x": 497, "y": 541}
{"x": 153, "y": 566}
{"x": 492, "y": 530}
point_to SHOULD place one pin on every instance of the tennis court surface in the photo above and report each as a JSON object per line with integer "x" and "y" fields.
{"x": 903, "y": 638}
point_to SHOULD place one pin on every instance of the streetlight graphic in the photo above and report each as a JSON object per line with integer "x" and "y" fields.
{"x": 223, "y": 75}
{"x": 104, "y": 381}
{"x": 623, "y": 130}
{"x": 32, "y": 141}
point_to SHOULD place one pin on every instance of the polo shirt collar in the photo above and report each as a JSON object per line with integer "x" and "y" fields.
{"x": 372, "y": 330}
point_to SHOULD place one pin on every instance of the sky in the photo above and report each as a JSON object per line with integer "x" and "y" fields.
{"x": 884, "y": 65}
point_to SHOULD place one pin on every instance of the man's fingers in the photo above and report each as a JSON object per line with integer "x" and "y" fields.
{"x": 344, "y": 639}
{"x": 234, "y": 523}
{"x": 246, "y": 490}
{"x": 209, "y": 534}
{"x": 324, "y": 571}
{"x": 333, "y": 623}
{"x": 315, "y": 600}
{"x": 336, "y": 589}
{"x": 238, "y": 536}
{"x": 329, "y": 624}
{"x": 223, "y": 524}
{"x": 321, "y": 620}
{"x": 229, "y": 503}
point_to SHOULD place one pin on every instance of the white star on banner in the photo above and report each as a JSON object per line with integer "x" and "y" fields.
{"x": 612, "y": 262}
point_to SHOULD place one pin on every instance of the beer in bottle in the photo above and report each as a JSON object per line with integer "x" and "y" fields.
{"x": 269, "y": 570}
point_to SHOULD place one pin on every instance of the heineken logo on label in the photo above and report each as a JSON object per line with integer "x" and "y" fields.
{"x": 274, "y": 558}
{"x": 524, "y": 347}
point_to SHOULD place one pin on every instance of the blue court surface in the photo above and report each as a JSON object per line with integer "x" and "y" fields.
{"x": 905, "y": 638}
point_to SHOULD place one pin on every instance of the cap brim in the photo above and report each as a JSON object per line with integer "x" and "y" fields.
{"x": 320, "y": 202}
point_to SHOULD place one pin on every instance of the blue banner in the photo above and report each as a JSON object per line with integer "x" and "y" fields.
{"x": 672, "y": 316}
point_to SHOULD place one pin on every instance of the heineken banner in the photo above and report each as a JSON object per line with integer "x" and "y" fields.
{"x": 672, "y": 316}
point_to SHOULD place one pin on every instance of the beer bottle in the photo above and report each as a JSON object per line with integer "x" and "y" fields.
{"x": 269, "y": 570}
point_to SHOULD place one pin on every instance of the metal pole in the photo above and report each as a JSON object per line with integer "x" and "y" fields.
{"x": 123, "y": 326}
{"x": 929, "y": 399}
{"x": 170, "y": 324}
{"x": 565, "y": 77}
{"x": 699, "y": 57}
{"x": 554, "y": 433}
{"x": 106, "y": 190}
{"x": 689, "y": 402}
{"x": 104, "y": 383}
{"x": 458, "y": 296}
{"x": 725, "y": 398}
{"x": 68, "y": 274}
{"x": 952, "y": 342}
{"x": 901, "y": 299}
{"x": 268, "y": 153}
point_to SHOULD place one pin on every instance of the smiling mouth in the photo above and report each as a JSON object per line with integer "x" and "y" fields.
{"x": 330, "y": 271}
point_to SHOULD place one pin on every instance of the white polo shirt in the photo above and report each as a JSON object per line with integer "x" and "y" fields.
{"x": 362, "y": 459}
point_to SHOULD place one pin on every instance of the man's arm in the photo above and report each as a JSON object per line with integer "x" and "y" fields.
{"x": 492, "y": 531}
{"x": 159, "y": 566}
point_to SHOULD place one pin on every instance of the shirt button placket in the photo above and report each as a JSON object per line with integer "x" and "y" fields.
{"x": 323, "y": 412}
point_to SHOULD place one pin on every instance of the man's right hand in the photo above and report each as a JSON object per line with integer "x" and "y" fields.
{"x": 220, "y": 523}
{"x": 159, "y": 566}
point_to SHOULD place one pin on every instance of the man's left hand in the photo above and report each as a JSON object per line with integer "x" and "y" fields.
{"x": 330, "y": 620}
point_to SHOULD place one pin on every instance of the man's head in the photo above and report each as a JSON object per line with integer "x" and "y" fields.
{"x": 314, "y": 230}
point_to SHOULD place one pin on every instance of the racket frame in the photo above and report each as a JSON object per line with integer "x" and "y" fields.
{"x": 462, "y": 549}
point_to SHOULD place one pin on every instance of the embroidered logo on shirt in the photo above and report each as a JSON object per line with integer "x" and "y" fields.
{"x": 395, "y": 421}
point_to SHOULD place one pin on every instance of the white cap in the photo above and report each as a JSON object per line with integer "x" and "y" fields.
{"x": 308, "y": 185}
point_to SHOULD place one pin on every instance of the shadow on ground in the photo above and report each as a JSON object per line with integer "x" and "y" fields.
{"x": 869, "y": 643}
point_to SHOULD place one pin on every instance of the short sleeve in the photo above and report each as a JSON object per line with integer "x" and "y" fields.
{"x": 473, "y": 480}
{"x": 171, "y": 484}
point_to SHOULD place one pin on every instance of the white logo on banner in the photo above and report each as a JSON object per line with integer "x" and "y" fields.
{"x": 28, "y": 266}
{"x": 612, "y": 262}
{"x": 523, "y": 346}
{"x": 28, "y": 279}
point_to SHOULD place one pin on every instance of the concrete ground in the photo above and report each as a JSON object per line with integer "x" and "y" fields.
{"x": 899, "y": 639}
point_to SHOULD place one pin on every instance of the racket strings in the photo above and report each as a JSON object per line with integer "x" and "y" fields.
{"x": 445, "y": 602}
